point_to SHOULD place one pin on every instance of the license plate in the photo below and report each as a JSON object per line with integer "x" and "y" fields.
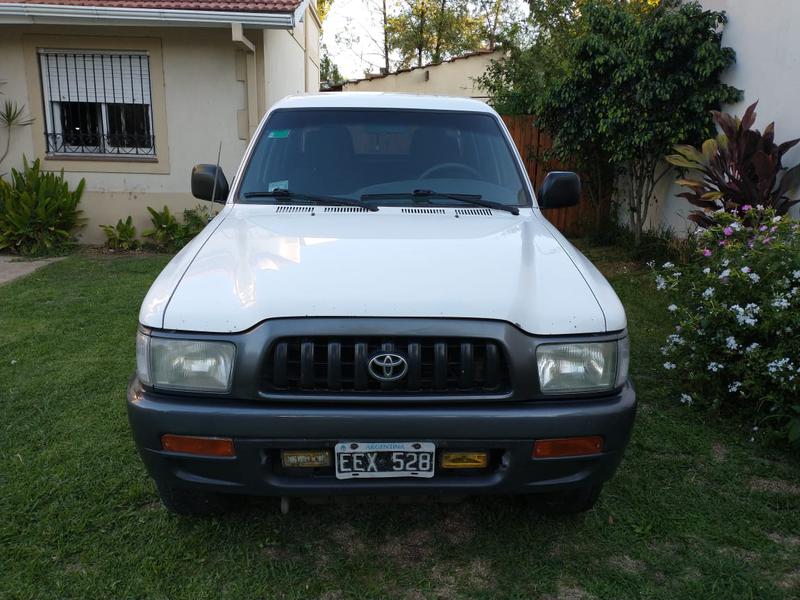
{"x": 364, "y": 460}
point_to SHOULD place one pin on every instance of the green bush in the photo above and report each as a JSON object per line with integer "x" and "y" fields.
{"x": 194, "y": 221}
{"x": 170, "y": 235}
{"x": 38, "y": 213}
{"x": 736, "y": 305}
{"x": 121, "y": 236}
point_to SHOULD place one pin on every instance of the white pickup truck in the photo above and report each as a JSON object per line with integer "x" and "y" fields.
{"x": 381, "y": 308}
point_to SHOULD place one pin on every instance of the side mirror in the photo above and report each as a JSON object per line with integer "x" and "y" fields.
{"x": 560, "y": 189}
{"x": 209, "y": 183}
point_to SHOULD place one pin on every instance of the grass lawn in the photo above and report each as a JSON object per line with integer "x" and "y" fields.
{"x": 695, "y": 511}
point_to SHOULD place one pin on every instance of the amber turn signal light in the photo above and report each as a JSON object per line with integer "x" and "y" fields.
{"x": 573, "y": 446}
{"x": 201, "y": 446}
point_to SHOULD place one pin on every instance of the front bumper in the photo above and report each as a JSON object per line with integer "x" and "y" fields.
{"x": 260, "y": 430}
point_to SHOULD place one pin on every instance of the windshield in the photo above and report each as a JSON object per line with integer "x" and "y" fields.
{"x": 370, "y": 155}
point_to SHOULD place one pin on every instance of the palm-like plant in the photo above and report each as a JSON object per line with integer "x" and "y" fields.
{"x": 740, "y": 166}
{"x": 12, "y": 115}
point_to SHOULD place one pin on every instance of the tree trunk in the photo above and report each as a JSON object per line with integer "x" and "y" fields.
{"x": 437, "y": 49}
{"x": 384, "y": 15}
{"x": 493, "y": 32}
{"x": 421, "y": 38}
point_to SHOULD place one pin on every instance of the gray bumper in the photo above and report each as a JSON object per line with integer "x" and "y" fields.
{"x": 260, "y": 430}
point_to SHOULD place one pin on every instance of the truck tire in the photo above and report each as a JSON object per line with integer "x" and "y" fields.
{"x": 182, "y": 501}
{"x": 566, "y": 502}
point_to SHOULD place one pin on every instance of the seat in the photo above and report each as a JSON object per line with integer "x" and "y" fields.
{"x": 328, "y": 161}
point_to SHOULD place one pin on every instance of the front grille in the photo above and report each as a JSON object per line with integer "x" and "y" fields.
{"x": 340, "y": 364}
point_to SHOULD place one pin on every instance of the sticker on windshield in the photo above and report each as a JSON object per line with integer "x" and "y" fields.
{"x": 283, "y": 184}
{"x": 278, "y": 134}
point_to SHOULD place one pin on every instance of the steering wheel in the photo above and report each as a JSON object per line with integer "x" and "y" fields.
{"x": 450, "y": 165}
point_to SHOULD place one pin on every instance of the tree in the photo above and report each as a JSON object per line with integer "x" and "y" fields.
{"x": 627, "y": 81}
{"x": 429, "y": 31}
{"x": 497, "y": 17}
{"x": 534, "y": 63}
{"x": 367, "y": 36}
{"x": 329, "y": 74}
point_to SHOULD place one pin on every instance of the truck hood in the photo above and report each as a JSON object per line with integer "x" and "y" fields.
{"x": 262, "y": 262}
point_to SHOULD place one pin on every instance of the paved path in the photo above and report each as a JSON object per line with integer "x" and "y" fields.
{"x": 12, "y": 268}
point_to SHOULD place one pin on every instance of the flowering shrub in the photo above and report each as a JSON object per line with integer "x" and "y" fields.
{"x": 736, "y": 305}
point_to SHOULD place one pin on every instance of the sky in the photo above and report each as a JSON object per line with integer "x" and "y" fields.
{"x": 355, "y": 21}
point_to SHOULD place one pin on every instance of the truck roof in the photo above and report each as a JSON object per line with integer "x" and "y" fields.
{"x": 382, "y": 100}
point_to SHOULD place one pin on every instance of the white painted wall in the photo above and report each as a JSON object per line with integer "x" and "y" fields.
{"x": 764, "y": 35}
{"x": 454, "y": 78}
{"x": 288, "y": 68}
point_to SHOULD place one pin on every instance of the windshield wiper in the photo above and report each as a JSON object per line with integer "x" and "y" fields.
{"x": 420, "y": 195}
{"x": 283, "y": 195}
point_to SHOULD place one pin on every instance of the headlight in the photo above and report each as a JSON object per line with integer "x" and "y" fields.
{"x": 582, "y": 366}
{"x": 192, "y": 365}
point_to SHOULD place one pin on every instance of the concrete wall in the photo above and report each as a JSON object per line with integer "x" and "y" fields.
{"x": 202, "y": 95}
{"x": 767, "y": 69}
{"x": 454, "y": 78}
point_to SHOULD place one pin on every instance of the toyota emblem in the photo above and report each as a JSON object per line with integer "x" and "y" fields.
{"x": 387, "y": 366}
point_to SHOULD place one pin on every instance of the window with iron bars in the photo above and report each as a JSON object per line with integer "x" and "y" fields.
{"x": 97, "y": 102}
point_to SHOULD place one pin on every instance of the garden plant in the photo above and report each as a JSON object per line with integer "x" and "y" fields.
{"x": 736, "y": 344}
{"x": 39, "y": 214}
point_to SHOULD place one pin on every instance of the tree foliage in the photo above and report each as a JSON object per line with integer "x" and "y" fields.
{"x": 398, "y": 34}
{"x": 329, "y": 74}
{"x": 323, "y": 6}
{"x": 620, "y": 83}
{"x": 428, "y": 31}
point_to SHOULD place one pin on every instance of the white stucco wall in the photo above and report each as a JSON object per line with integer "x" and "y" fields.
{"x": 767, "y": 69}
{"x": 454, "y": 78}
{"x": 288, "y": 68}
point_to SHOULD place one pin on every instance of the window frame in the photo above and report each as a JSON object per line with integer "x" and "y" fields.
{"x": 54, "y": 111}
{"x": 156, "y": 162}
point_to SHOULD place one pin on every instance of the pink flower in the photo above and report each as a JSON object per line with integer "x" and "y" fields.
{"x": 747, "y": 207}
{"x": 728, "y": 231}
{"x": 767, "y": 240}
{"x": 706, "y": 252}
{"x": 762, "y": 228}
{"x": 723, "y": 242}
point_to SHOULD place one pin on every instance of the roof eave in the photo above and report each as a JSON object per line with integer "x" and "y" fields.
{"x": 54, "y": 14}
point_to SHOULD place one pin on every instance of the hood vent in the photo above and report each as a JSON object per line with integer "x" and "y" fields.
{"x": 345, "y": 209}
{"x": 294, "y": 209}
{"x": 475, "y": 212}
{"x": 422, "y": 211}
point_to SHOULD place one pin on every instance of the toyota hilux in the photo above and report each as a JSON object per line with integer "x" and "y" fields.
{"x": 381, "y": 308}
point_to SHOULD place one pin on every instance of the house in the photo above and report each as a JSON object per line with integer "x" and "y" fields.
{"x": 453, "y": 77}
{"x": 130, "y": 94}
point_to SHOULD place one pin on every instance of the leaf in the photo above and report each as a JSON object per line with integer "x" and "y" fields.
{"x": 749, "y": 117}
{"x": 786, "y": 146}
{"x": 689, "y": 152}
{"x": 712, "y": 196}
{"x": 710, "y": 148}
{"x": 680, "y": 161}
{"x": 690, "y": 183}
